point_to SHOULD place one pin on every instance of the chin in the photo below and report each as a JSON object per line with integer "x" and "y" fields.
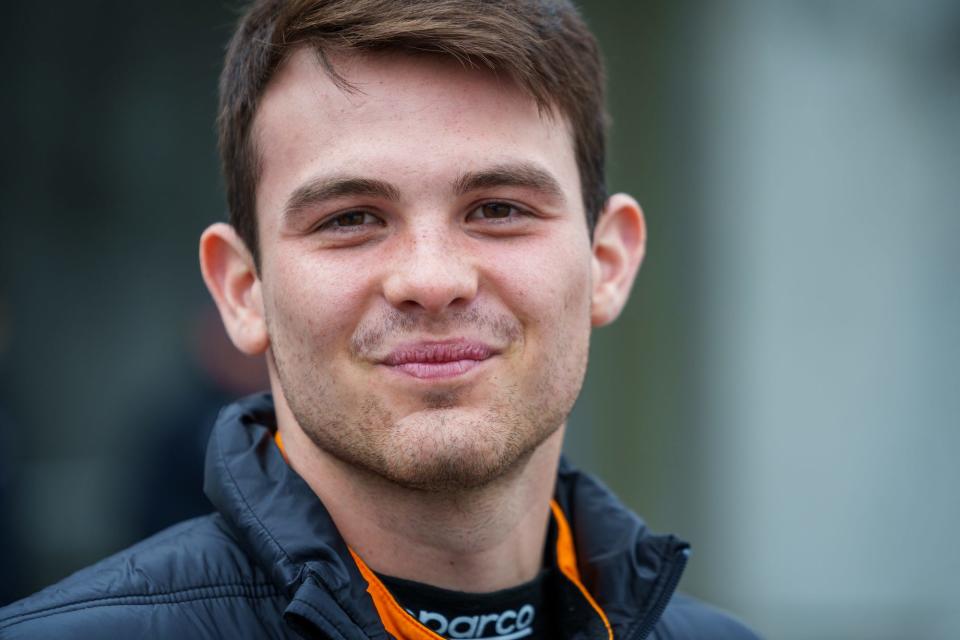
{"x": 450, "y": 440}
{"x": 452, "y": 449}
{"x": 446, "y": 473}
{"x": 436, "y": 449}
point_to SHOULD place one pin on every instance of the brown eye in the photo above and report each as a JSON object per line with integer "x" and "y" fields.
{"x": 350, "y": 220}
{"x": 496, "y": 210}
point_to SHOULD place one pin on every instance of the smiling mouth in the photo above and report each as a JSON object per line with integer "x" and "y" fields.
{"x": 433, "y": 360}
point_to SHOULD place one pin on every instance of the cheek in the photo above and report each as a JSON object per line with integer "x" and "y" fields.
{"x": 315, "y": 306}
{"x": 548, "y": 286}
{"x": 549, "y": 292}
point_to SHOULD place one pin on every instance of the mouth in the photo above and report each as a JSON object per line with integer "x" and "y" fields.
{"x": 435, "y": 360}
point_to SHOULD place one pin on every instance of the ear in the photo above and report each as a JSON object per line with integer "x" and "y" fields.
{"x": 619, "y": 241}
{"x": 231, "y": 276}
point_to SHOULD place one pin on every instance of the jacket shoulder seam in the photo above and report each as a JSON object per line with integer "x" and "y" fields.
{"x": 178, "y": 596}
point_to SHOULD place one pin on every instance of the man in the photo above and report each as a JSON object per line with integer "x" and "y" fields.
{"x": 420, "y": 243}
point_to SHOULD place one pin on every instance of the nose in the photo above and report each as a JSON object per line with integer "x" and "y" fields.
{"x": 432, "y": 273}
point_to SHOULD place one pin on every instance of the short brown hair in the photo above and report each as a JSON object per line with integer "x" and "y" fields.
{"x": 543, "y": 45}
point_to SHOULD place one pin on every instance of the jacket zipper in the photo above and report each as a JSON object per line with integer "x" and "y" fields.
{"x": 669, "y": 587}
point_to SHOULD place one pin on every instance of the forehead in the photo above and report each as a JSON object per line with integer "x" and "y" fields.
{"x": 402, "y": 117}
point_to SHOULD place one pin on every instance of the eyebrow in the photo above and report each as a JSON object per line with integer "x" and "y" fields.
{"x": 522, "y": 174}
{"x": 328, "y": 188}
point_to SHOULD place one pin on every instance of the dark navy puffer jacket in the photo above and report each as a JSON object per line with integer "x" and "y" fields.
{"x": 270, "y": 564}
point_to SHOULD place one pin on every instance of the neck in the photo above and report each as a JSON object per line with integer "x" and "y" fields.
{"x": 475, "y": 540}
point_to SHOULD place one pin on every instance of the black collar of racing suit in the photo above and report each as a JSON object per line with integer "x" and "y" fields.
{"x": 277, "y": 518}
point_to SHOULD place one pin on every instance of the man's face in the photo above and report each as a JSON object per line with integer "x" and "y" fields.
{"x": 425, "y": 265}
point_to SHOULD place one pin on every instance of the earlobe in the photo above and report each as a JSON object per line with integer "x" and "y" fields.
{"x": 619, "y": 242}
{"x": 231, "y": 277}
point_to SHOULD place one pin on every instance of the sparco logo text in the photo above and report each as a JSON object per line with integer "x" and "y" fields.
{"x": 506, "y": 625}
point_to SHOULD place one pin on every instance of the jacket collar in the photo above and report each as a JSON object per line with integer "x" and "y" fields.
{"x": 631, "y": 572}
{"x": 283, "y": 525}
{"x": 287, "y": 530}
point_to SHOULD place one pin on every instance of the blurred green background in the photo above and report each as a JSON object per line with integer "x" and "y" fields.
{"x": 782, "y": 390}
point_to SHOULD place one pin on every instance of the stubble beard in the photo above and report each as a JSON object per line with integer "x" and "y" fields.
{"x": 441, "y": 448}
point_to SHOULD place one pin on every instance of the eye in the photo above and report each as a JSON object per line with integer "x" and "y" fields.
{"x": 495, "y": 211}
{"x": 350, "y": 220}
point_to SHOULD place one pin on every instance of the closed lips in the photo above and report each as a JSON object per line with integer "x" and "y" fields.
{"x": 438, "y": 360}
